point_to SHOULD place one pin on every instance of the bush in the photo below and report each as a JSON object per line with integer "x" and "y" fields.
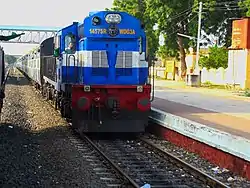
{"x": 218, "y": 57}
{"x": 247, "y": 93}
{"x": 10, "y": 59}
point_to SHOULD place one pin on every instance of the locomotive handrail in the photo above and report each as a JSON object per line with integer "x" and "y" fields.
{"x": 66, "y": 67}
{"x": 76, "y": 75}
{"x": 153, "y": 85}
{"x": 68, "y": 59}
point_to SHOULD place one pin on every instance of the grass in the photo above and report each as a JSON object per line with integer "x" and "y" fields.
{"x": 209, "y": 85}
{"x": 240, "y": 92}
{"x": 247, "y": 93}
{"x": 213, "y": 86}
{"x": 225, "y": 87}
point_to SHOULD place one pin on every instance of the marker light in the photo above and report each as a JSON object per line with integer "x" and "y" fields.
{"x": 113, "y": 18}
{"x": 139, "y": 89}
{"x": 87, "y": 88}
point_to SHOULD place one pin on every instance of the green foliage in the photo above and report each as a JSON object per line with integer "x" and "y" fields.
{"x": 218, "y": 57}
{"x": 210, "y": 85}
{"x": 245, "y": 4}
{"x": 10, "y": 59}
{"x": 164, "y": 13}
{"x": 10, "y": 37}
{"x": 247, "y": 93}
{"x": 164, "y": 52}
{"x": 217, "y": 18}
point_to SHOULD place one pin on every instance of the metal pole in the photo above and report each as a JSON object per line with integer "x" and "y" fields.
{"x": 198, "y": 39}
{"x": 140, "y": 9}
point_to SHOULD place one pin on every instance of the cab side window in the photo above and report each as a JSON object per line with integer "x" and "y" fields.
{"x": 70, "y": 43}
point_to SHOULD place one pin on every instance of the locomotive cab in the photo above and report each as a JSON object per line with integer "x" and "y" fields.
{"x": 112, "y": 93}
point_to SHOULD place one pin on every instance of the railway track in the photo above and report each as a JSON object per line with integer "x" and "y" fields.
{"x": 141, "y": 162}
{"x": 109, "y": 173}
{"x": 134, "y": 163}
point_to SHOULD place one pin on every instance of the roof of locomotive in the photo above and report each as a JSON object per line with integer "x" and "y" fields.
{"x": 101, "y": 14}
{"x": 128, "y": 25}
{"x": 106, "y": 12}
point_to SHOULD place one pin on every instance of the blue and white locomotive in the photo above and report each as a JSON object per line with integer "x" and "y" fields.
{"x": 96, "y": 72}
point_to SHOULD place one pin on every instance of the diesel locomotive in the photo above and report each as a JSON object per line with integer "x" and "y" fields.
{"x": 96, "y": 72}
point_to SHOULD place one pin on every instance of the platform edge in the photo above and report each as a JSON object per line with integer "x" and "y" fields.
{"x": 203, "y": 133}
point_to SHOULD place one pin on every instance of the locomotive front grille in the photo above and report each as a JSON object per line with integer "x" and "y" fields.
{"x": 99, "y": 59}
{"x": 124, "y": 62}
{"x": 99, "y": 62}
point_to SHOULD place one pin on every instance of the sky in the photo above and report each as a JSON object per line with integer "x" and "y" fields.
{"x": 47, "y": 13}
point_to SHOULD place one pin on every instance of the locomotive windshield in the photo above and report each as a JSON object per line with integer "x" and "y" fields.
{"x": 70, "y": 44}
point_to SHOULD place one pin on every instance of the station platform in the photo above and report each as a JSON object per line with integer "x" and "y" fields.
{"x": 215, "y": 127}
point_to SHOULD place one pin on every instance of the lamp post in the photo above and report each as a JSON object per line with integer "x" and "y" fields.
{"x": 198, "y": 41}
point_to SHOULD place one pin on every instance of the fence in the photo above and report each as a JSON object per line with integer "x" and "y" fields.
{"x": 219, "y": 76}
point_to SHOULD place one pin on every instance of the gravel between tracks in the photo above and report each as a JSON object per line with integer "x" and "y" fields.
{"x": 223, "y": 175}
{"x": 35, "y": 150}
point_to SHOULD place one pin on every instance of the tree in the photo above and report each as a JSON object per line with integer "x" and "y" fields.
{"x": 181, "y": 16}
{"x": 10, "y": 37}
{"x": 245, "y": 5}
{"x": 217, "y": 18}
{"x": 140, "y": 9}
{"x": 10, "y": 59}
{"x": 173, "y": 16}
{"x": 218, "y": 57}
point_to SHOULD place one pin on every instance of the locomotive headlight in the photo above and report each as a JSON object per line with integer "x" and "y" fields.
{"x": 113, "y": 18}
{"x": 139, "y": 89}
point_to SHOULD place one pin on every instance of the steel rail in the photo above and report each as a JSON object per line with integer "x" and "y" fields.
{"x": 194, "y": 171}
{"x": 129, "y": 179}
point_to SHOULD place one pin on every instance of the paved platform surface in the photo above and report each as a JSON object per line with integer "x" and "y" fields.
{"x": 219, "y": 121}
{"x": 181, "y": 86}
{"x": 233, "y": 107}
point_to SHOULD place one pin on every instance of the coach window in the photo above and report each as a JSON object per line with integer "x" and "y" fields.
{"x": 70, "y": 44}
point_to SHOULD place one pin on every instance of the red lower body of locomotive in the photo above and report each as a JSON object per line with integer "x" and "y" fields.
{"x": 110, "y": 108}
